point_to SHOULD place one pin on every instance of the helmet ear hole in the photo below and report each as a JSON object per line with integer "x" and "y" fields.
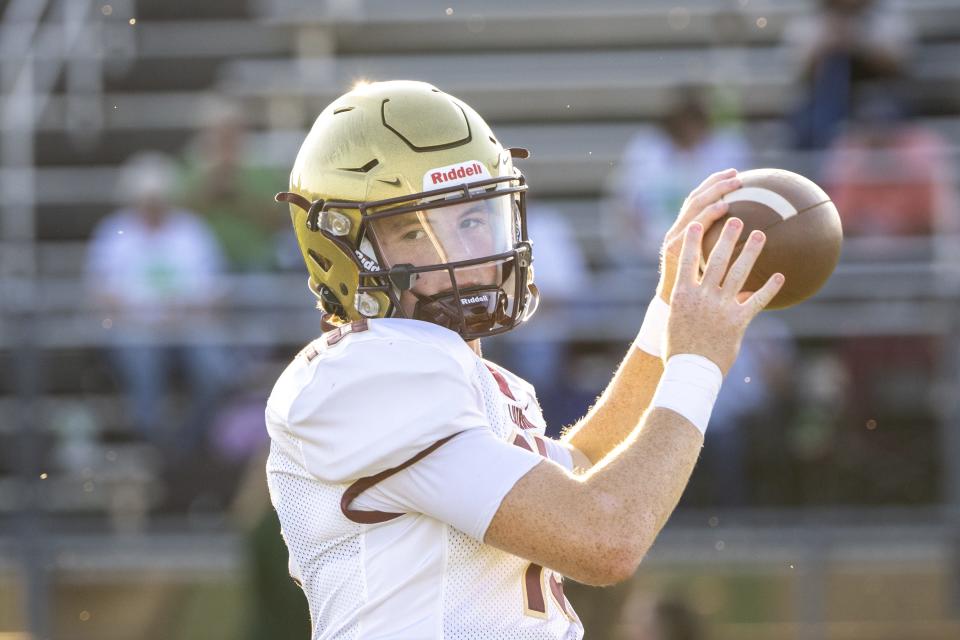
{"x": 322, "y": 262}
{"x": 343, "y": 289}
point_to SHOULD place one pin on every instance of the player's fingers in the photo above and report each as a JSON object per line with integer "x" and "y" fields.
{"x": 688, "y": 266}
{"x": 706, "y": 217}
{"x": 711, "y": 214}
{"x": 714, "y": 192}
{"x": 765, "y": 294}
{"x": 694, "y": 205}
{"x": 740, "y": 271}
{"x": 722, "y": 250}
{"x": 712, "y": 179}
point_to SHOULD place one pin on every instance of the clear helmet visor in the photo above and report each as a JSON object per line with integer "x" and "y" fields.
{"x": 454, "y": 264}
{"x": 445, "y": 234}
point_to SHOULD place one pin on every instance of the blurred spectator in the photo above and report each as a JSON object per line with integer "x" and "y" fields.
{"x": 813, "y": 473}
{"x": 889, "y": 450}
{"x": 891, "y": 179}
{"x": 274, "y": 605}
{"x": 750, "y": 400}
{"x": 660, "y": 168}
{"x": 234, "y": 196}
{"x": 889, "y": 176}
{"x": 646, "y": 617}
{"x": 152, "y": 270}
{"x": 845, "y": 44}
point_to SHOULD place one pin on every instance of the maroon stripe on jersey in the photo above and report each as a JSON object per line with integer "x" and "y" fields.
{"x": 516, "y": 413}
{"x": 524, "y": 423}
{"x": 541, "y": 446}
{"x": 521, "y": 442}
{"x": 501, "y": 382}
{"x": 531, "y": 579}
{"x": 519, "y": 419}
{"x": 361, "y": 485}
{"x": 338, "y": 334}
{"x": 556, "y": 588}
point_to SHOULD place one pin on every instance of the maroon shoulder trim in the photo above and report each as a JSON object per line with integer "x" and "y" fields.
{"x": 541, "y": 446}
{"x": 520, "y": 441}
{"x": 519, "y": 418}
{"x": 361, "y": 485}
{"x": 335, "y": 336}
{"x": 501, "y": 382}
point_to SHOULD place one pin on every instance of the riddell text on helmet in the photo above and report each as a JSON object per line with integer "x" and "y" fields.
{"x": 460, "y": 172}
{"x": 469, "y": 171}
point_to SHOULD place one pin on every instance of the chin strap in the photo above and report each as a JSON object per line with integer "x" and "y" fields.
{"x": 476, "y": 310}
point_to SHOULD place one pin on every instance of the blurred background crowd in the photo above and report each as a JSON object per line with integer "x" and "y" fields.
{"x": 151, "y": 291}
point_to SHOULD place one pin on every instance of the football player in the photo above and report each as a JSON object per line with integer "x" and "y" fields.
{"x": 418, "y": 495}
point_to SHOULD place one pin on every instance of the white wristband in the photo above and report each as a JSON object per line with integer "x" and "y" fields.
{"x": 650, "y": 337}
{"x": 689, "y": 386}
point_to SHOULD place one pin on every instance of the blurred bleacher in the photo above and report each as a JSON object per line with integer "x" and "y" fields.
{"x": 573, "y": 82}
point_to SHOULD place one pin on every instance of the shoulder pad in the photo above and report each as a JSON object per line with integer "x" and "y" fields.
{"x": 375, "y": 399}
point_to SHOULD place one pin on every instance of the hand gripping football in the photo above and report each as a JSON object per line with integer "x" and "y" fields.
{"x": 803, "y": 231}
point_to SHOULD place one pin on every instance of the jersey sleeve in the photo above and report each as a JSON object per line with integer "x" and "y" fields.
{"x": 558, "y": 453}
{"x": 373, "y": 406}
{"x": 462, "y": 482}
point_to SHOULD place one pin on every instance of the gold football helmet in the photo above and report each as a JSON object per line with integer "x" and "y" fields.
{"x": 406, "y": 205}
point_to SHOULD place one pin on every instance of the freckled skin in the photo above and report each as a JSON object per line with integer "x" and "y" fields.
{"x": 436, "y": 236}
{"x": 596, "y": 526}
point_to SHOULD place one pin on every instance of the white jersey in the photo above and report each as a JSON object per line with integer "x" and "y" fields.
{"x": 392, "y": 446}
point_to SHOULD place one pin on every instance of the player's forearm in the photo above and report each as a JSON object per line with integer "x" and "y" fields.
{"x": 619, "y": 409}
{"x": 596, "y": 528}
{"x": 638, "y": 485}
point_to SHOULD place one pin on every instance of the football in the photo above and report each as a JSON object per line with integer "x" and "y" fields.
{"x": 803, "y": 229}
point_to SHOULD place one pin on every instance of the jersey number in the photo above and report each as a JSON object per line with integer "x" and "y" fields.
{"x": 534, "y": 589}
{"x": 534, "y": 596}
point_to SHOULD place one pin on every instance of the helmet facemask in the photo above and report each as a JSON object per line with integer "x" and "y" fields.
{"x": 457, "y": 257}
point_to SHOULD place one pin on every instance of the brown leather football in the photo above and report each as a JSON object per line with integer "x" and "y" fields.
{"x": 803, "y": 230}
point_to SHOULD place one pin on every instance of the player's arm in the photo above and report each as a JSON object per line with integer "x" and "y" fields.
{"x": 596, "y": 528}
{"x": 618, "y": 410}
